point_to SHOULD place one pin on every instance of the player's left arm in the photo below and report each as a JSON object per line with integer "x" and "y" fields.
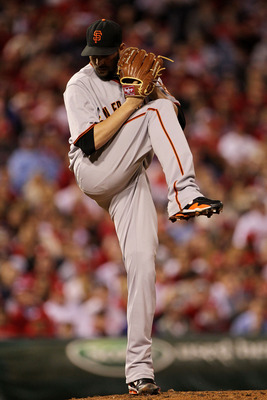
{"x": 161, "y": 92}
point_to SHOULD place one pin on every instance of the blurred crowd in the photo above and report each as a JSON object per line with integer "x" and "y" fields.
{"x": 61, "y": 272}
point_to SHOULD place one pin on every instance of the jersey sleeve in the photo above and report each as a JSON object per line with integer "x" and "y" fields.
{"x": 163, "y": 88}
{"x": 81, "y": 112}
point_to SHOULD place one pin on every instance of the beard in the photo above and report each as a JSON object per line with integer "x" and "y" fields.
{"x": 108, "y": 73}
{"x": 107, "y": 76}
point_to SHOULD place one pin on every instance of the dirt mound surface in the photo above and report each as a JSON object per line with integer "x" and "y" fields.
{"x": 205, "y": 395}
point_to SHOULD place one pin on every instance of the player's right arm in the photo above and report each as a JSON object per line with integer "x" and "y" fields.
{"x": 106, "y": 129}
{"x": 87, "y": 132}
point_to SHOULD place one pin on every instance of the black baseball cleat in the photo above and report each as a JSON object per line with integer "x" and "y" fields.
{"x": 198, "y": 206}
{"x": 143, "y": 386}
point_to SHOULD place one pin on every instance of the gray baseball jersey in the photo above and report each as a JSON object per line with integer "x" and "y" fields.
{"x": 115, "y": 176}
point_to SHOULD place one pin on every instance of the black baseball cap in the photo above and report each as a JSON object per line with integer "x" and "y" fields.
{"x": 103, "y": 38}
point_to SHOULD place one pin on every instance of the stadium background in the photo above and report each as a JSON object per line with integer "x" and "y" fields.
{"x": 61, "y": 275}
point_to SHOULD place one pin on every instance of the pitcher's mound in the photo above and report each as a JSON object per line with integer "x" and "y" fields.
{"x": 206, "y": 395}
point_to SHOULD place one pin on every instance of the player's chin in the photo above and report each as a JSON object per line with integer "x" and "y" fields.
{"x": 104, "y": 73}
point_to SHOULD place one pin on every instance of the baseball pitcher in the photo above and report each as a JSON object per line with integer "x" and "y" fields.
{"x": 120, "y": 114}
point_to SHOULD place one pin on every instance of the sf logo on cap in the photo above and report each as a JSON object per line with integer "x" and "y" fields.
{"x": 97, "y": 36}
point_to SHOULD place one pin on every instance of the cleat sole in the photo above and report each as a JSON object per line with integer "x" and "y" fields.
{"x": 149, "y": 389}
{"x": 186, "y": 215}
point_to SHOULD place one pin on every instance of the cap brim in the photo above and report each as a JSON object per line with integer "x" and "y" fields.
{"x": 98, "y": 51}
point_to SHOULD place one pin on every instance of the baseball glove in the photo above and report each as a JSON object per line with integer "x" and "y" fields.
{"x": 138, "y": 71}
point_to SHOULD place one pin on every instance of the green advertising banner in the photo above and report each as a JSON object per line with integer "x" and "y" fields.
{"x": 60, "y": 370}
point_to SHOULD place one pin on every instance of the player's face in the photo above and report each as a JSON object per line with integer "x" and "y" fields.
{"x": 105, "y": 66}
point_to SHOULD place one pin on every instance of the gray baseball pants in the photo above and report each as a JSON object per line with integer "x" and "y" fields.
{"x": 115, "y": 177}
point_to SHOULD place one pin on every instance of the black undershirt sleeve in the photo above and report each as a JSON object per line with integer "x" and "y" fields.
{"x": 181, "y": 117}
{"x": 86, "y": 142}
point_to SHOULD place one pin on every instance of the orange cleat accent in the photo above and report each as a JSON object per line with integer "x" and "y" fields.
{"x": 143, "y": 386}
{"x": 198, "y": 206}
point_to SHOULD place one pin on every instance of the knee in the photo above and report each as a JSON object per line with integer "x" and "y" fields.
{"x": 162, "y": 107}
{"x": 162, "y": 104}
